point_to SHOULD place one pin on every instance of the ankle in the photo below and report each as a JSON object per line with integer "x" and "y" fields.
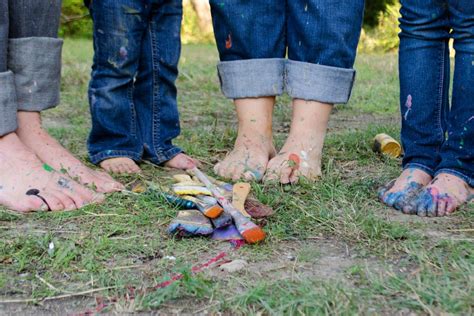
{"x": 28, "y": 121}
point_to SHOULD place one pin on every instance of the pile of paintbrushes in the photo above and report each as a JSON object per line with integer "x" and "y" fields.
{"x": 206, "y": 209}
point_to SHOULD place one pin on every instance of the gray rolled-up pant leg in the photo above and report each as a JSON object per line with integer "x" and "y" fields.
{"x": 34, "y": 53}
{"x": 8, "y": 106}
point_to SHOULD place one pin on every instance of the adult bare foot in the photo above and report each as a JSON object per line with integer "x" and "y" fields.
{"x": 25, "y": 185}
{"x": 182, "y": 161}
{"x": 57, "y": 157}
{"x": 301, "y": 153}
{"x": 254, "y": 144}
{"x": 121, "y": 165}
{"x": 441, "y": 197}
{"x": 400, "y": 191}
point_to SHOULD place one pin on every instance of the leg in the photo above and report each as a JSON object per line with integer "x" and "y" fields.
{"x": 322, "y": 42}
{"x": 119, "y": 27}
{"x": 424, "y": 93}
{"x": 454, "y": 177}
{"x": 155, "y": 94}
{"x": 250, "y": 36}
{"x": 34, "y": 38}
{"x": 26, "y": 184}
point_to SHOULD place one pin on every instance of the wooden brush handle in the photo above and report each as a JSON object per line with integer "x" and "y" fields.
{"x": 240, "y": 192}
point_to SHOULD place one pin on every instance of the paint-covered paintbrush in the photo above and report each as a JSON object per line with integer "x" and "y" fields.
{"x": 183, "y": 203}
{"x": 249, "y": 231}
{"x": 210, "y": 209}
{"x": 190, "y": 223}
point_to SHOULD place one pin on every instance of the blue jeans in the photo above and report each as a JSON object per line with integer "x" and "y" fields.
{"x": 132, "y": 92}
{"x": 437, "y": 135}
{"x": 30, "y": 58}
{"x": 318, "y": 37}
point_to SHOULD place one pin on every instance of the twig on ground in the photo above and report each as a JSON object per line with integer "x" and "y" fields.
{"x": 58, "y": 297}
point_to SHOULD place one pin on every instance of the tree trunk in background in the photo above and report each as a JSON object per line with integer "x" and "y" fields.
{"x": 203, "y": 12}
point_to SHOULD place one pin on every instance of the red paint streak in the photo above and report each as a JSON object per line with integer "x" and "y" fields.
{"x": 132, "y": 292}
{"x": 228, "y": 42}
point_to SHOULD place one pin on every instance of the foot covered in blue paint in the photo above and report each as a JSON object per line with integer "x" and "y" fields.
{"x": 397, "y": 193}
{"x": 440, "y": 197}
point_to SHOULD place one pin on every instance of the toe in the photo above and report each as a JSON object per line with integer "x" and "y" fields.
{"x": 34, "y": 204}
{"x": 450, "y": 207}
{"x": 294, "y": 176}
{"x": 66, "y": 201}
{"x": 422, "y": 209}
{"x": 285, "y": 174}
{"x": 442, "y": 205}
{"x": 55, "y": 200}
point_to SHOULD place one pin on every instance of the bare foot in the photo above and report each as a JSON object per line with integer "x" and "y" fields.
{"x": 301, "y": 153}
{"x": 26, "y": 185}
{"x": 441, "y": 197}
{"x": 120, "y": 165}
{"x": 254, "y": 144}
{"x": 57, "y": 157}
{"x": 182, "y": 161}
{"x": 399, "y": 192}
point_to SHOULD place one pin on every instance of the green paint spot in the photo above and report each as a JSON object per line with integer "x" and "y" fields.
{"x": 446, "y": 136}
{"x": 48, "y": 168}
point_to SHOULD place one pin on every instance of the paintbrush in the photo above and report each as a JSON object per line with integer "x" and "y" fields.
{"x": 210, "y": 208}
{"x": 249, "y": 231}
{"x": 240, "y": 191}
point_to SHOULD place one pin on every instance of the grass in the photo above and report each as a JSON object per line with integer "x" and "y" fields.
{"x": 332, "y": 248}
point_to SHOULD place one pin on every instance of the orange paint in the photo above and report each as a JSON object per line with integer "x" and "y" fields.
{"x": 296, "y": 160}
{"x": 228, "y": 42}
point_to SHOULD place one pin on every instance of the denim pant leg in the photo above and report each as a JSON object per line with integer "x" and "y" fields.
{"x": 322, "y": 43}
{"x": 457, "y": 152}
{"x": 119, "y": 28}
{"x": 424, "y": 81}
{"x": 35, "y": 53}
{"x": 155, "y": 94}
{"x": 250, "y": 37}
{"x": 8, "y": 105}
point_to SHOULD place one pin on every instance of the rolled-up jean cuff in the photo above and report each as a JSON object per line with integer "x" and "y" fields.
{"x": 252, "y": 78}
{"x": 314, "y": 82}
{"x": 8, "y": 105}
{"x": 461, "y": 175}
{"x": 36, "y": 63}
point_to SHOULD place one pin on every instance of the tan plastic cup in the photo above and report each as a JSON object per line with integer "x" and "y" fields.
{"x": 385, "y": 144}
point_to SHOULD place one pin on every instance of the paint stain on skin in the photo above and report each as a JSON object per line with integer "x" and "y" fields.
{"x": 228, "y": 42}
{"x": 426, "y": 204}
{"x": 48, "y": 168}
{"x": 400, "y": 199}
{"x": 64, "y": 183}
{"x": 294, "y": 161}
{"x": 408, "y": 105}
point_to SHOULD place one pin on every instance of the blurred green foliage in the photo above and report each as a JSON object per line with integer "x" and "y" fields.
{"x": 380, "y": 24}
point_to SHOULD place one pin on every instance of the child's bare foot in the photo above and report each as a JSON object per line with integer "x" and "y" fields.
{"x": 57, "y": 157}
{"x": 301, "y": 154}
{"x": 121, "y": 165}
{"x": 441, "y": 197}
{"x": 26, "y": 185}
{"x": 399, "y": 192}
{"x": 182, "y": 161}
{"x": 254, "y": 144}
